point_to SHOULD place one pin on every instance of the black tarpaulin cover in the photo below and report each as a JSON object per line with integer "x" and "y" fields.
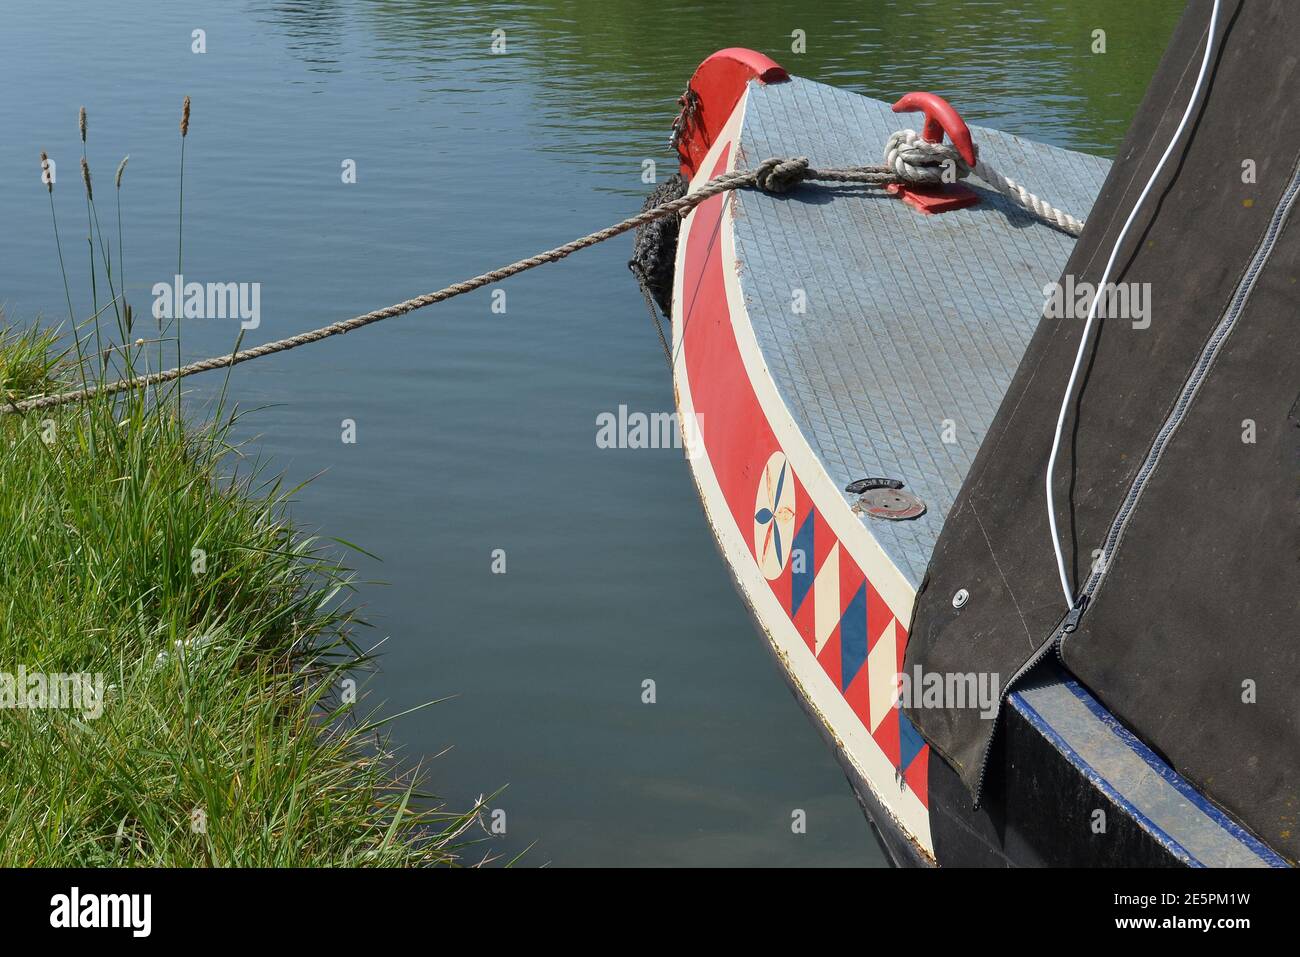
{"x": 1192, "y": 634}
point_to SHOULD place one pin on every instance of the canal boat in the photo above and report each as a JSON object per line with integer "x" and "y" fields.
{"x": 872, "y": 385}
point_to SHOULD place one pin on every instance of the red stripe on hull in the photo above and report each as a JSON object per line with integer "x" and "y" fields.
{"x": 739, "y": 443}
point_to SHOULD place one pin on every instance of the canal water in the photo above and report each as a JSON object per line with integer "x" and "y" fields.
{"x": 475, "y": 422}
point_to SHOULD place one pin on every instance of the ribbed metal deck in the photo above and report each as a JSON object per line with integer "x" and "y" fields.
{"x": 914, "y": 324}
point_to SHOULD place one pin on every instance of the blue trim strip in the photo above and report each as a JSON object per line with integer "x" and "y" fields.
{"x": 1183, "y": 786}
{"x": 1046, "y": 730}
{"x": 1149, "y": 757}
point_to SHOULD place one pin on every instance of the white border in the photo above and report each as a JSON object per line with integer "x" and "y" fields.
{"x": 805, "y": 672}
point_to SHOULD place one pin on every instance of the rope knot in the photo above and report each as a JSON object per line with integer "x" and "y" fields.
{"x": 918, "y": 160}
{"x": 778, "y": 175}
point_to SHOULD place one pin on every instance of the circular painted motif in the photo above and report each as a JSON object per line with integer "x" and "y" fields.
{"x": 774, "y": 511}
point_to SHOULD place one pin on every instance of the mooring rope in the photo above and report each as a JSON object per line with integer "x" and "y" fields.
{"x": 911, "y": 163}
{"x": 659, "y": 326}
{"x": 774, "y": 175}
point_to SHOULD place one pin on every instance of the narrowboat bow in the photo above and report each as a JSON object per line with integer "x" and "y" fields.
{"x": 858, "y": 372}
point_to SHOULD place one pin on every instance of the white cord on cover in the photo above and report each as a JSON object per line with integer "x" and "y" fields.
{"x": 1092, "y": 309}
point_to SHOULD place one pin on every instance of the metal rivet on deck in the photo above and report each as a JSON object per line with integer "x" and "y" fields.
{"x": 960, "y": 598}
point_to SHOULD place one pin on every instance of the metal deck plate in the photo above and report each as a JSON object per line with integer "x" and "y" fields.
{"x": 914, "y": 324}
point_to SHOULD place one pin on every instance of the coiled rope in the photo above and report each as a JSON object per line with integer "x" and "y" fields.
{"x": 920, "y": 161}
{"x": 911, "y": 163}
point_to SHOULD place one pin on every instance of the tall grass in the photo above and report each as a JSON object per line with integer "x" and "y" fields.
{"x": 30, "y": 363}
{"x": 155, "y": 551}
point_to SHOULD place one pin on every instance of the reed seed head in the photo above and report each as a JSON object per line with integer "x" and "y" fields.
{"x": 85, "y": 177}
{"x": 121, "y": 168}
{"x": 82, "y": 124}
{"x": 185, "y": 117}
{"x": 45, "y": 172}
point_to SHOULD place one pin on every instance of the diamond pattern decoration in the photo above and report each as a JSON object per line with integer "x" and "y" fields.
{"x": 853, "y": 634}
{"x": 826, "y": 599}
{"x": 882, "y": 666}
{"x": 801, "y": 558}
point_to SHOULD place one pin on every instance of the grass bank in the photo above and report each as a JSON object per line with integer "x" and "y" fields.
{"x": 147, "y": 551}
{"x": 178, "y": 676}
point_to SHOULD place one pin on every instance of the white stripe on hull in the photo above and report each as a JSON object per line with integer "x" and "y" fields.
{"x": 805, "y": 672}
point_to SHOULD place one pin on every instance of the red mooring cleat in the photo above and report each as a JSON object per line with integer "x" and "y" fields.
{"x": 940, "y": 118}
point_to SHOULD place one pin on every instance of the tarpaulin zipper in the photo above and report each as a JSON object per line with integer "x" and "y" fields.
{"x": 1203, "y": 363}
{"x": 1066, "y": 625}
{"x": 1114, "y": 536}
